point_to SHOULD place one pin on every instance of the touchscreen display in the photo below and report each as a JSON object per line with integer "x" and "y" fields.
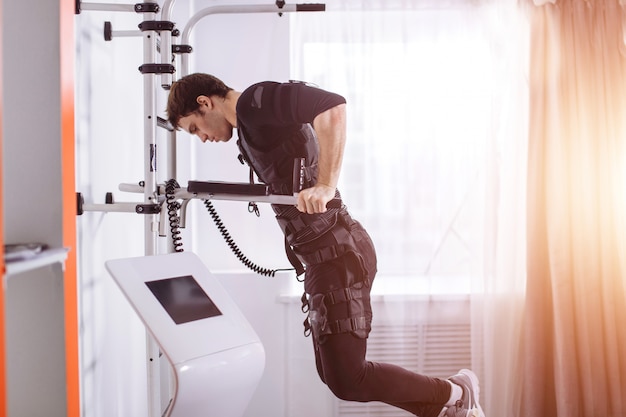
{"x": 183, "y": 299}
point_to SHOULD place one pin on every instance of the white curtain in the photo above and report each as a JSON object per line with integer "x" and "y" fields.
{"x": 435, "y": 163}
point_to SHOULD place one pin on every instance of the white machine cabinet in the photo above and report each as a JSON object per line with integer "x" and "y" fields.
{"x": 217, "y": 358}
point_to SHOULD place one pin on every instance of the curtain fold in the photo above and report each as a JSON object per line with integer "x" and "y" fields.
{"x": 574, "y": 343}
{"x": 499, "y": 283}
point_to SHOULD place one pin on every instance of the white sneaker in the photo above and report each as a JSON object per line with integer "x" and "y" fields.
{"x": 468, "y": 405}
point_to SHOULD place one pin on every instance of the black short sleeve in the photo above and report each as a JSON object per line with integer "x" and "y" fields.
{"x": 279, "y": 104}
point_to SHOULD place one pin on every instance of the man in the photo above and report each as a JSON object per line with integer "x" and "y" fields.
{"x": 276, "y": 124}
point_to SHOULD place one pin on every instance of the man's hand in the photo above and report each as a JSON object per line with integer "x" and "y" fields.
{"x": 313, "y": 200}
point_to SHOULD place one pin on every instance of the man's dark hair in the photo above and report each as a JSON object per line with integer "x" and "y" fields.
{"x": 182, "y": 102}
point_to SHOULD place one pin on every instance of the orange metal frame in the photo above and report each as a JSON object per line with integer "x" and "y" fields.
{"x": 67, "y": 40}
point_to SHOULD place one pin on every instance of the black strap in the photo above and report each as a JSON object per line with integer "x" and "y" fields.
{"x": 293, "y": 259}
{"x": 305, "y": 303}
{"x": 346, "y": 325}
{"x": 343, "y": 295}
{"x": 324, "y": 254}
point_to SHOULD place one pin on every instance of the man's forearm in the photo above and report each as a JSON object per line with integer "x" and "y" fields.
{"x": 330, "y": 127}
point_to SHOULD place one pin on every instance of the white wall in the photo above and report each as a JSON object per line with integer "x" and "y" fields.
{"x": 240, "y": 49}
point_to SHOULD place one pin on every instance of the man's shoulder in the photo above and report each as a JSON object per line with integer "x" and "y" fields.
{"x": 260, "y": 84}
{"x": 276, "y": 84}
{"x": 253, "y": 108}
{"x": 252, "y": 96}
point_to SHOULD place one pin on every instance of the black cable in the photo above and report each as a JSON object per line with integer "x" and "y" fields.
{"x": 172, "y": 211}
{"x": 233, "y": 246}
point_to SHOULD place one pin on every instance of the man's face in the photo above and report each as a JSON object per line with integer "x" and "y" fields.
{"x": 207, "y": 124}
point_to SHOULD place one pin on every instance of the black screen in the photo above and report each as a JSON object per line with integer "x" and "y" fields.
{"x": 183, "y": 299}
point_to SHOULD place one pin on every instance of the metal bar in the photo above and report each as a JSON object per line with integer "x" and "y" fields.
{"x": 183, "y": 194}
{"x": 287, "y": 200}
{"x": 113, "y": 208}
{"x": 166, "y": 43}
{"x": 108, "y": 7}
{"x": 272, "y": 199}
{"x": 131, "y": 188}
{"x": 150, "y": 220}
{"x": 125, "y": 33}
{"x": 149, "y": 129}
{"x": 166, "y": 82}
{"x": 171, "y": 168}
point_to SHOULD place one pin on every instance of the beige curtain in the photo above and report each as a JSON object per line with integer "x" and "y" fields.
{"x": 574, "y": 337}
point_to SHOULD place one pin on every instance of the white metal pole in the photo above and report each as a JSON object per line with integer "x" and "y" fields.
{"x": 170, "y": 169}
{"x": 149, "y": 126}
{"x": 150, "y": 220}
{"x": 166, "y": 42}
{"x": 166, "y": 82}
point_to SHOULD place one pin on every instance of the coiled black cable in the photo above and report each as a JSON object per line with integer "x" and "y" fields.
{"x": 172, "y": 212}
{"x": 233, "y": 246}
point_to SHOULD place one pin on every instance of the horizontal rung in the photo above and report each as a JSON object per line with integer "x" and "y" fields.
{"x": 107, "y": 7}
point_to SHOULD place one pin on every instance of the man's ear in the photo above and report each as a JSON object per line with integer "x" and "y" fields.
{"x": 204, "y": 101}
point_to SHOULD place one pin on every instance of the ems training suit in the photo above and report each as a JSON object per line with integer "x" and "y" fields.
{"x": 274, "y": 127}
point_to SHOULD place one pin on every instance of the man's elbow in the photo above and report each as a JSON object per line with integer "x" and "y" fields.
{"x": 333, "y": 117}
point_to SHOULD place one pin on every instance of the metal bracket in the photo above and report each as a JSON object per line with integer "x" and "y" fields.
{"x": 280, "y": 4}
{"x": 108, "y": 31}
{"x": 162, "y": 123}
{"x": 80, "y": 202}
{"x": 156, "y": 25}
{"x": 147, "y": 7}
{"x": 148, "y": 208}
{"x": 157, "y": 69}
{"x": 181, "y": 49}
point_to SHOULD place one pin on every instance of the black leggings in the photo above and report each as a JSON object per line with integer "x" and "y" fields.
{"x": 340, "y": 358}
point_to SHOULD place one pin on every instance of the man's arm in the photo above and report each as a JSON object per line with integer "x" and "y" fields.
{"x": 330, "y": 127}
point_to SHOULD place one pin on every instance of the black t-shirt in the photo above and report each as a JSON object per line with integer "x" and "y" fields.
{"x": 268, "y": 111}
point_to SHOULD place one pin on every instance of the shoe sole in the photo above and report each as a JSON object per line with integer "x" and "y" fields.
{"x": 476, "y": 389}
